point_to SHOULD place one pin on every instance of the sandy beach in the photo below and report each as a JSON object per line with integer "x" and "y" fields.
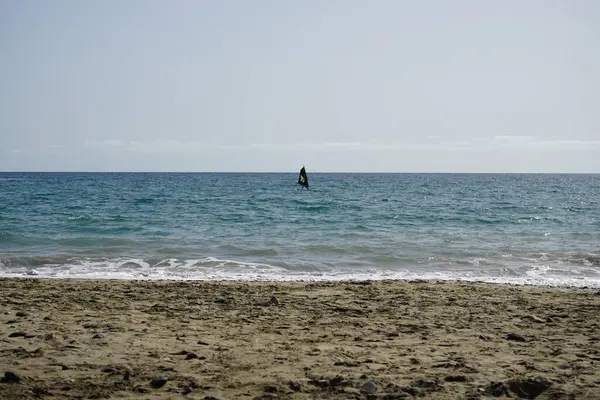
{"x": 231, "y": 340}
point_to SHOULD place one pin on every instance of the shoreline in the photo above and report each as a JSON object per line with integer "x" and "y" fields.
{"x": 292, "y": 281}
{"x": 297, "y": 340}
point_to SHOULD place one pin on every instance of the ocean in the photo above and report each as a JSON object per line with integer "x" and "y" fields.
{"x": 504, "y": 228}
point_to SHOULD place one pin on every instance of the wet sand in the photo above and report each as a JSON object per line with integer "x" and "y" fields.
{"x": 229, "y": 340}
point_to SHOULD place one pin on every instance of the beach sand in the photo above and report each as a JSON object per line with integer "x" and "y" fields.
{"x": 231, "y": 340}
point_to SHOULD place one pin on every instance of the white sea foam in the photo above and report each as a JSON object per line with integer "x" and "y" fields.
{"x": 212, "y": 268}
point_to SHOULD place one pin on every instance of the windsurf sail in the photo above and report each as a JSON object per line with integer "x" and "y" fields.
{"x": 303, "y": 179}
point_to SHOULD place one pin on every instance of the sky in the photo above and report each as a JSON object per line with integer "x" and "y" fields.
{"x": 271, "y": 85}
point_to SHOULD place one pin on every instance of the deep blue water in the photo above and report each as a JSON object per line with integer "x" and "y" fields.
{"x": 520, "y": 228}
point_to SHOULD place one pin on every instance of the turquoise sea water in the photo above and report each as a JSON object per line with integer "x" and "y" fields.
{"x": 540, "y": 229}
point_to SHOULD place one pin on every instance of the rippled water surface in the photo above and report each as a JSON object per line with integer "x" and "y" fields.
{"x": 541, "y": 229}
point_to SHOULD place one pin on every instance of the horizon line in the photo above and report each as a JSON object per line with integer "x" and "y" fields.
{"x": 290, "y": 172}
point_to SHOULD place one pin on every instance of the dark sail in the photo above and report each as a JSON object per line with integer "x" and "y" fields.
{"x": 303, "y": 179}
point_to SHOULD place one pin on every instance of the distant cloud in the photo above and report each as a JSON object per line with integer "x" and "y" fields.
{"x": 571, "y": 144}
{"x": 316, "y": 146}
{"x": 170, "y": 146}
{"x": 36, "y": 150}
{"x": 507, "y": 139}
{"x": 174, "y": 146}
{"x": 108, "y": 142}
{"x": 476, "y": 143}
{"x": 307, "y": 145}
{"x": 344, "y": 145}
{"x": 531, "y": 142}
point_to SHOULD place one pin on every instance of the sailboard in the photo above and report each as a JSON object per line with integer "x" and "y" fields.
{"x": 302, "y": 178}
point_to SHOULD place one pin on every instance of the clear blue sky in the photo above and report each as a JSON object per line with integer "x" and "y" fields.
{"x": 341, "y": 85}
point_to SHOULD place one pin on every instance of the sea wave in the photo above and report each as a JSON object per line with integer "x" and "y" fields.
{"x": 214, "y": 268}
{"x": 248, "y": 251}
{"x": 567, "y": 258}
{"x": 6, "y": 237}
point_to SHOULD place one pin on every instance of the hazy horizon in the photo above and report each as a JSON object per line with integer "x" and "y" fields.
{"x": 265, "y": 86}
{"x": 296, "y": 172}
